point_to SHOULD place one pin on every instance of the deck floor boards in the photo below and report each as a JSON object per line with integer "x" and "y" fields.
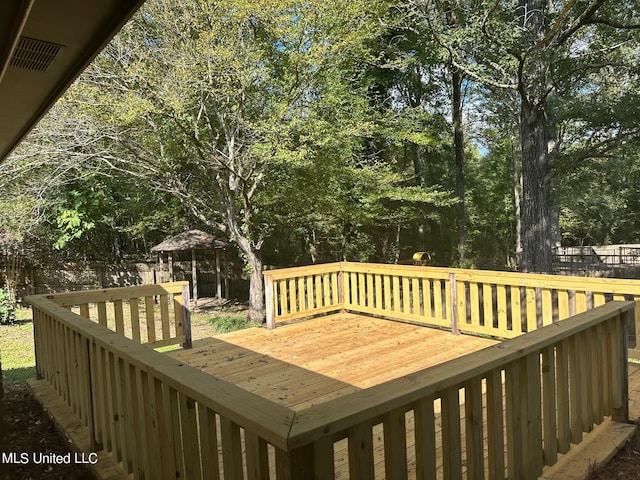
{"x": 313, "y": 361}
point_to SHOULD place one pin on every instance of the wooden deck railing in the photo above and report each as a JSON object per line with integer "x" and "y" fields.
{"x": 523, "y": 402}
{"x": 500, "y": 304}
{"x": 156, "y": 315}
{"x": 549, "y": 386}
{"x": 159, "y": 417}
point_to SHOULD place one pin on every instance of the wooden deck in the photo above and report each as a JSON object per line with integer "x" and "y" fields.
{"x": 318, "y": 360}
{"x": 350, "y": 395}
{"x": 311, "y": 362}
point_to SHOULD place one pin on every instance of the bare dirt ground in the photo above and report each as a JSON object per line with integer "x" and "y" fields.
{"x": 28, "y": 429}
{"x": 625, "y": 465}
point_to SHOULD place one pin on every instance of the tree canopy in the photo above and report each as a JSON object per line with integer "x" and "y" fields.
{"x": 327, "y": 130}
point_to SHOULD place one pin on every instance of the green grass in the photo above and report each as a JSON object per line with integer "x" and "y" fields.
{"x": 16, "y": 349}
{"x": 223, "y": 322}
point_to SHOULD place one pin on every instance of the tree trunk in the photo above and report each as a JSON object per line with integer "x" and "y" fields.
{"x": 251, "y": 249}
{"x": 256, "y": 287}
{"x": 458, "y": 147}
{"x": 536, "y": 190}
{"x": 517, "y": 187}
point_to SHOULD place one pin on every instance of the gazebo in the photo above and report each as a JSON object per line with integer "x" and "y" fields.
{"x": 196, "y": 240}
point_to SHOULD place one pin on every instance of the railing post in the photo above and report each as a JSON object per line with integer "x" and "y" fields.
{"x": 341, "y": 288}
{"x": 36, "y": 347}
{"x": 636, "y": 318}
{"x": 268, "y": 301}
{"x": 454, "y": 304}
{"x": 186, "y": 317}
{"x": 295, "y": 464}
{"x": 621, "y": 412}
{"x": 91, "y": 374}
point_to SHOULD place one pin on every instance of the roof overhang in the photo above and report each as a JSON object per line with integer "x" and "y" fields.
{"x": 44, "y": 46}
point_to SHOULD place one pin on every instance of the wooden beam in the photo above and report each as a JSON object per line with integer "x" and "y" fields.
{"x": 218, "y": 277}
{"x": 194, "y": 276}
{"x": 171, "y": 266}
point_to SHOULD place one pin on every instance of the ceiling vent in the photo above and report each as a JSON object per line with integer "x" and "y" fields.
{"x": 32, "y": 54}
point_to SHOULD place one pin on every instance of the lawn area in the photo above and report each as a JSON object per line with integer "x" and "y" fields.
{"x": 16, "y": 341}
{"x": 16, "y": 348}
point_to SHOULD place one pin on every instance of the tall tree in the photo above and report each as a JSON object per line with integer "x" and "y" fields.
{"x": 200, "y": 98}
{"x": 538, "y": 49}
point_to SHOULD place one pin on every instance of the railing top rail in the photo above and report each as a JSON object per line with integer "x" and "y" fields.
{"x": 337, "y": 415}
{"x": 267, "y": 419}
{"x": 536, "y": 280}
{"x": 280, "y": 273}
{"x": 110, "y": 294}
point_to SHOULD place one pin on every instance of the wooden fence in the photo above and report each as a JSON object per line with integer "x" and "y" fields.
{"x": 522, "y": 402}
{"x": 501, "y": 304}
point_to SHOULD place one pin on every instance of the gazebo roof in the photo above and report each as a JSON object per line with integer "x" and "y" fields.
{"x": 190, "y": 240}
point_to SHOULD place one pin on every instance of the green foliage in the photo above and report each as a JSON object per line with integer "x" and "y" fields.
{"x": 229, "y": 322}
{"x": 7, "y": 309}
{"x": 73, "y": 219}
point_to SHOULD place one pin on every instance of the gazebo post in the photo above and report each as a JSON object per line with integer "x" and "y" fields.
{"x": 161, "y": 263}
{"x": 218, "y": 279}
{"x": 227, "y": 287}
{"x": 171, "y": 266}
{"x": 194, "y": 275}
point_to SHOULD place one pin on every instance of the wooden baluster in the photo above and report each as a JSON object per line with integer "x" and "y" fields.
{"x": 396, "y": 294}
{"x": 150, "y": 318}
{"x": 531, "y": 311}
{"x": 501, "y": 291}
{"x": 164, "y": 316}
{"x": 474, "y": 304}
{"x": 387, "y": 293}
{"x": 309, "y": 281}
{"x": 361, "y": 460}
{"x": 547, "y": 307}
{"x": 119, "y": 316}
{"x": 515, "y": 449}
{"x": 395, "y": 444}
{"x": 451, "y": 439}
{"x": 516, "y": 310}
{"x": 208, "y": 442}
{"x": 563, "y": 403}
{"x": 189, "y": 433}
{"x": 426, "y": 299}
{"x": 549, "y": 404}
{"x": 425, "y": 429}
{"x": 134, "y": 306}
{"x": 231, "y": 448}
{"x": 495, "y": 425}
{"x": 437, "y": 299}
{"x": 257, "y": 456}
{"x": 563, "y": 304}
{"x": 102, "y": 313}
{"x": 473, "y": 428}
{"x": 293, "y": 300}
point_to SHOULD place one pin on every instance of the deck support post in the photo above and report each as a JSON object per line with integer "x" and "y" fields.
{"x": 636, "y": 332}
{"x": 268, "y": 303}
{"x": 621, "y": 412}
{"x": 295, "y": 464}
{"x": 454, "y": 304}
{"x": 186, "y": 317}
{"x": 341, "y": 288}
